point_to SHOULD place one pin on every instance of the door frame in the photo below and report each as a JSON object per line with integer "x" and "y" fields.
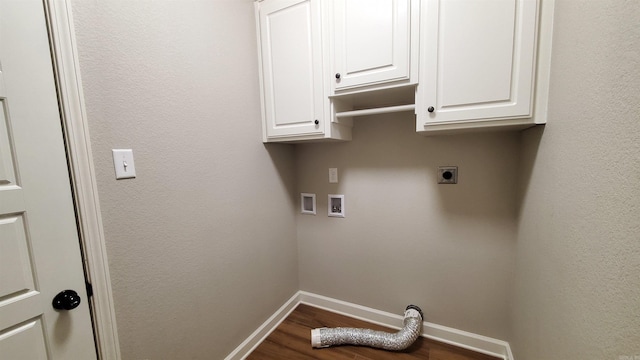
{"x": 82, "y": 175}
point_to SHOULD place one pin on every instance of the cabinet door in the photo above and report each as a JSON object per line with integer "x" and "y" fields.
{"x": 290, "y": 44}
{"x": 371, "y": 42}
{"x": 477, "y": 60}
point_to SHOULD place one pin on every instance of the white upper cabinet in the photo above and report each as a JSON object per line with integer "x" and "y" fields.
{"x": 291, "y": 68}
{"x": 478, "y": 62}
{"x": 295, "y": 105}
{"x": 458, "y": 64}
{"x": 372, "y": 42}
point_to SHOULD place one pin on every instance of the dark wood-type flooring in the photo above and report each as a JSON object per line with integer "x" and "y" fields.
{"x": 292, "y": 340}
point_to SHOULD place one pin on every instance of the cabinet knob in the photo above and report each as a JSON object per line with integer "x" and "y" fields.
{"x": 316, "y": 122}
{"x": 430, "y": 109}
{"x": 337, "y": 75}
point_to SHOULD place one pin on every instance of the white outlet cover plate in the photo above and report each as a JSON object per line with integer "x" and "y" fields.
{"x": 333, "y": 175}
{"x": 123, "y": 163}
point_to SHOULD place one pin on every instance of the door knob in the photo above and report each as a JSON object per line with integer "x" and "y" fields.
{"x": 430, "y": 109}
{"x": 338, "y": 76}
{"x": 66, "y": 300}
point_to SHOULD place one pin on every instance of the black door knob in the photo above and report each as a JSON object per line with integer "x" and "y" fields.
{"x": 430, "y": 109}
{"x": 338, "y": 76}
{"x": 316, "y": 122}
{"x": 66, "y": 300}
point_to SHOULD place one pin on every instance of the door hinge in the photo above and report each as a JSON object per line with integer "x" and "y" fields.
{"x": 89, "y": 289}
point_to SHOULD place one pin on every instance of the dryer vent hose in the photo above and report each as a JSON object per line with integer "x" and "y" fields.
{"x": 325, "y": 337}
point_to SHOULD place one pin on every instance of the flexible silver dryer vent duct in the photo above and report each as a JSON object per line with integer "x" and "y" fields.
{"x": 325, "y": 337}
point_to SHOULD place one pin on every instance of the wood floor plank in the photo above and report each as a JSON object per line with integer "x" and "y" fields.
{"x": 291, "y": 340}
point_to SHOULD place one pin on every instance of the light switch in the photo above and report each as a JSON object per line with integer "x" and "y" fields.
{"x": 123, "y": 163}
{"x": 333, "y": 175}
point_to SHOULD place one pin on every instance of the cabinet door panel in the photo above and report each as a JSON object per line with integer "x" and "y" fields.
{"x": 292, "y": 69}
{"x": 480, "y": 59}
{"x": 371, "y": 41}
{"x": 483, "y": 33}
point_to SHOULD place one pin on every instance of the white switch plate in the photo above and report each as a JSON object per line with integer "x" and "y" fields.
{"x": 123, "y": 163}
{"x": 333, "y": 175}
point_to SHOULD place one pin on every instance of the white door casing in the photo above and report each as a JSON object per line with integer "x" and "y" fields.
{"x": 81, "y": 169}
{"x": 39, "y": 245}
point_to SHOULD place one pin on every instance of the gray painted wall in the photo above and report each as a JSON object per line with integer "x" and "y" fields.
{"x": 207, "y": 229}
{"x": 405, "y": 239}
{"x": 549, "y": 262}
{"x": 578, "y": 246}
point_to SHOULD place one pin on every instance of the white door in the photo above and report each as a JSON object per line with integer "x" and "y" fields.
{"x": 478, "y": 60}
{"x": 371, "y": 42}
{"x": 290, "y": 43}
{"x": 39, "y": 248}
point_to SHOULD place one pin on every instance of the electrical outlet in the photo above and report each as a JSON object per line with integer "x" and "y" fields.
{"x": 333, "y": 175}
{"x": 447, "y": 174}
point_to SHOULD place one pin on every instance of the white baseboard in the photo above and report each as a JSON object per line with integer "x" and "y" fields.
{"x": 459, "y": 338}
{"x": 261, "y": 333}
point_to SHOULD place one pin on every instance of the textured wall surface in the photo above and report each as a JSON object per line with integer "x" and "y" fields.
{"x": 202, "y": 243}
{"x": 405, "y": 239}
{"x": 577, "y": 294}
{"x": 208, "y": 229}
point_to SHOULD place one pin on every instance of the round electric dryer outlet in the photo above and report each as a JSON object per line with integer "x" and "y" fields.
{"x": 447, "y": 175}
